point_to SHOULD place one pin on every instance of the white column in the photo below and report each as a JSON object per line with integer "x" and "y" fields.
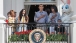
{"x": 7, "y": 6}
{"x": 73, "y": 7}
{"x": 2, "y": 18}
{"x": 15, "y": 5}
{"x": 74, "y": 33}
{"x": 19, "y": 6}
{"x": 59, "y": 5}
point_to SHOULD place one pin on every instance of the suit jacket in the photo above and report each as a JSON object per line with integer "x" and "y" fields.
{"x": 61, "y": 29}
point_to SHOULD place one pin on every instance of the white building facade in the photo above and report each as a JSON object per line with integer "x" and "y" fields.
{"x": 17, "y": 5}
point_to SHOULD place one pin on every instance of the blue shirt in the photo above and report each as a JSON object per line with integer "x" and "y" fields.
{"x": 55, "y": 19}
{"x": 42, "y": 20}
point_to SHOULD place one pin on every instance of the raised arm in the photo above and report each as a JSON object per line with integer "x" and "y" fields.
{"x": 40, "y": 17}
{"x": 49, "y": 18}
{"x": 46, "y": 19}
{"x": 35, "y": 17}
{"x": 59, "y": 17}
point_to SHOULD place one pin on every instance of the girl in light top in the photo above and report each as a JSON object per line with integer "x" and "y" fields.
{"x": 23, "y": 18}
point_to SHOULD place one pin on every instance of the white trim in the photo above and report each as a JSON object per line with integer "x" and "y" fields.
{"x": 37, "y": 3}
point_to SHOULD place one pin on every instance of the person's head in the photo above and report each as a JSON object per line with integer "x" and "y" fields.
{"x": 41, "y": 7}
{"x": 12, "y": 13}
{"x": 37, "y": 36}
{"x": 59, "y": 21}
{"x": 22, "y": 12}
{"x": 47, "y": 10}
{"x": 54, "y": 9}
{"x": 8, "y": 14}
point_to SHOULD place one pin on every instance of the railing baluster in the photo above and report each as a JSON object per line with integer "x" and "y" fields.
{"x": 10, "y": 31}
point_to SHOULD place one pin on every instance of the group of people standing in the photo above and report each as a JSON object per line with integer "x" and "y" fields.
{"x": 54, "y": 17}
{"x": 41, "y": 16}
{"x": 22, "y": 18}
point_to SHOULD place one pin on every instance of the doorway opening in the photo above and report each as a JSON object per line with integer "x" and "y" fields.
{"x": 34, "y": 8}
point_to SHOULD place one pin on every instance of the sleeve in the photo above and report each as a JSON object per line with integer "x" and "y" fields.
{"x": 59, "y": 17}
{"x": 35, "y": 17}
{"x": 46, "y": 19}
{"x": 50, "y": 16}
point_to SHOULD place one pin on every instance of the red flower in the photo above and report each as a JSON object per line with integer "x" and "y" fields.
{"x": 6, "y": 21}
{"x": 23, "y": 32}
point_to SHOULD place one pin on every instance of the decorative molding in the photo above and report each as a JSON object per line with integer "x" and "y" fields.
{"x": 37, "y": 3}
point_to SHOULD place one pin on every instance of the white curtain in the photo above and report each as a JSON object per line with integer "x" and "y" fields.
{"x": 27, "y": 7}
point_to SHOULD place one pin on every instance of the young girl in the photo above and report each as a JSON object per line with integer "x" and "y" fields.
{"x": 23, "y": 18}
{"x": 11, "y": 19}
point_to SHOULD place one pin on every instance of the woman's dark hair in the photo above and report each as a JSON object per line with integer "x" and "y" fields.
{"x": 47, "y": 10}
{"x": 21, "y": 14}
{"x": 55, "y": 8}
{"x": 59, "y": 19}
